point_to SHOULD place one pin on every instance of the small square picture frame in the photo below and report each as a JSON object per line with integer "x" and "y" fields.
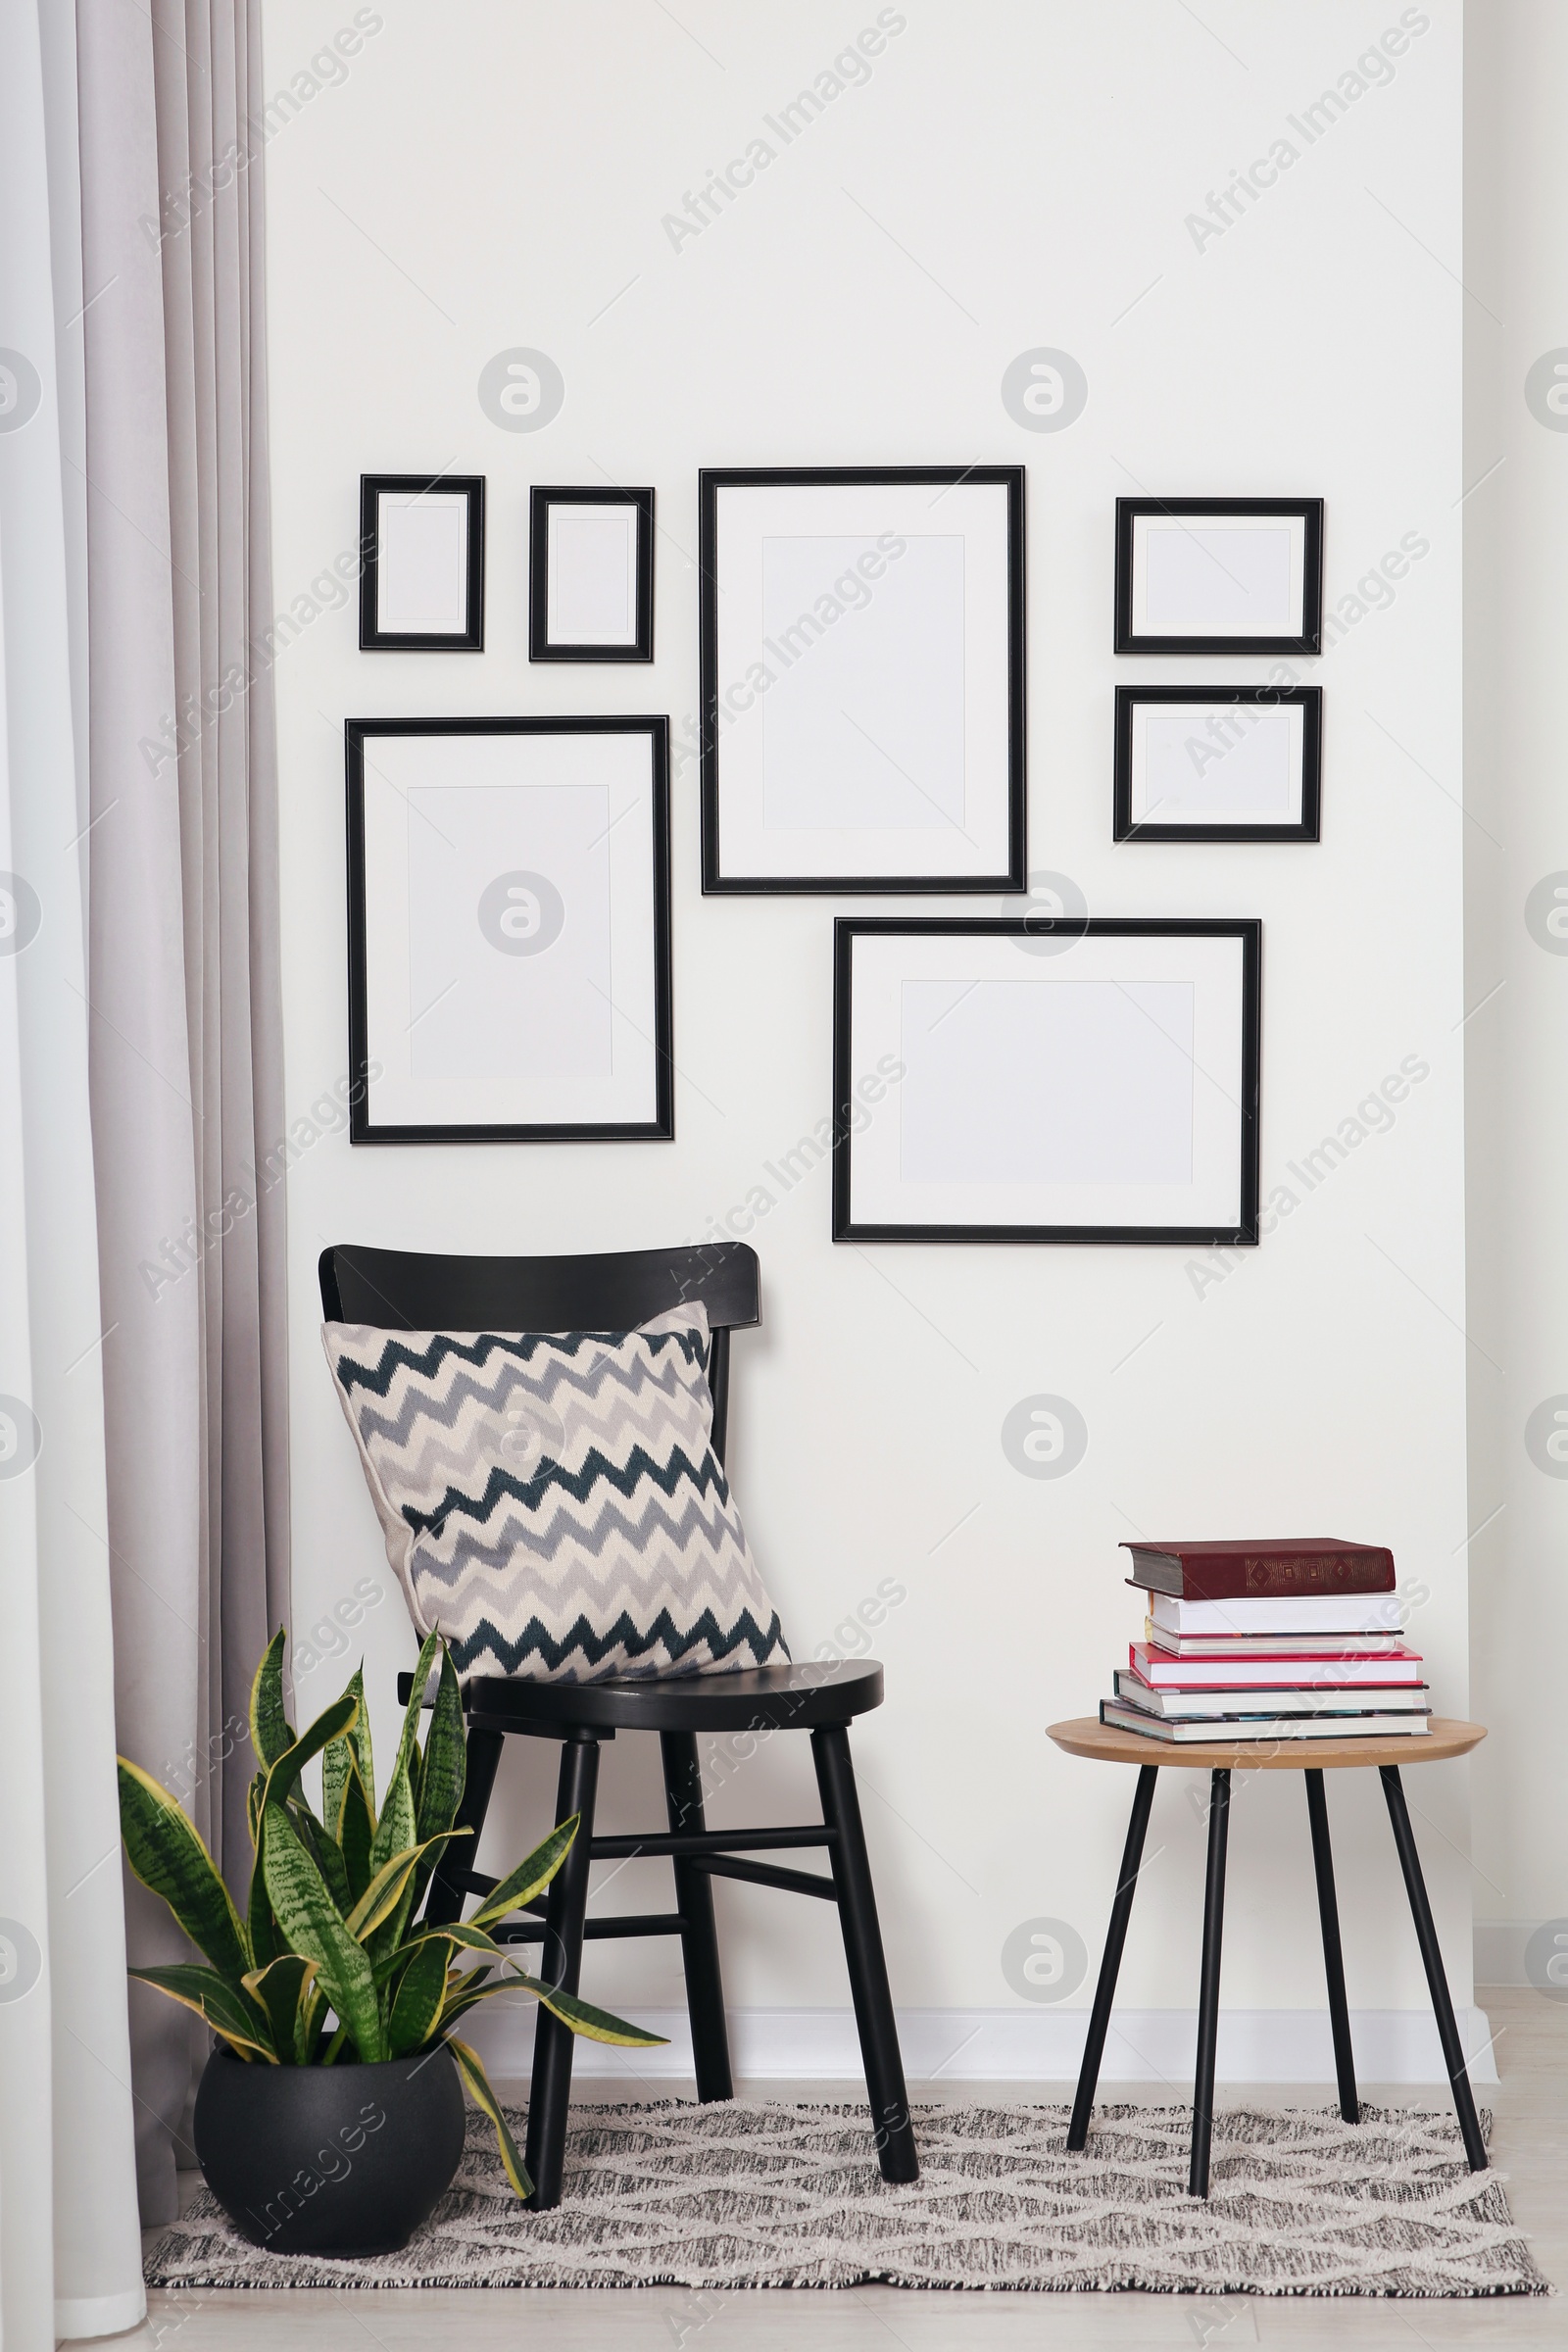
{"x": 994, "y": 1084}
{"x": 422, "y": 562}
{"x": 863, "y": 679}
{"x": 1219, "y": 575}
{"x": 590, "y": 574}
{"x": 1223, "y": 762}
{"x": 509, "y": 930}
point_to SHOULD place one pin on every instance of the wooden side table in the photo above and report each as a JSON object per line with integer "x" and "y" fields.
{"x": 1088, "y": 1736}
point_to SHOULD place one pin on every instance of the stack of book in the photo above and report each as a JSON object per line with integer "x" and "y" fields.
{"x": 1296, "y": 1640}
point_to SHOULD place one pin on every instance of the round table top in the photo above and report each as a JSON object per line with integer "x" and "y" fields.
{"x": 1087, "y": 1735}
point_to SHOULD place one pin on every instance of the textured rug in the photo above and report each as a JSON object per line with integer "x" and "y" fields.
{"x": 742, "y": 2195}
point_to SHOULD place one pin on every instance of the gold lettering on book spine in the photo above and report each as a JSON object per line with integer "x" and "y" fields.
{"x": 1330, "y": 1572}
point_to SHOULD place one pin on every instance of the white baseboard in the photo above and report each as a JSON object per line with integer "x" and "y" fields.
{"x": 1500, "y": 1948}
{"x": 1015, "y": 2045}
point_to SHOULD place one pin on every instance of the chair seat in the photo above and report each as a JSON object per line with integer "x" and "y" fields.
{"x": 799, "y": 1698}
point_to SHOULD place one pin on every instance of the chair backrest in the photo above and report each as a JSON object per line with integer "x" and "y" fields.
{"x": 413, "y": 1289}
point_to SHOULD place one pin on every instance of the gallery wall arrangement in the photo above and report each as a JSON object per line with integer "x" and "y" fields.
{"x": 863, "y": 642}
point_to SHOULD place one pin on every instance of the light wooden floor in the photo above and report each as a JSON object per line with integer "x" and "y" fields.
{"x": 1530, "y": 2147}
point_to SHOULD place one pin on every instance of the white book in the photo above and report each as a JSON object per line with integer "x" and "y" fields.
{"x": 1214, "y": 1706}
{"x": 1260, "y": 1727}
{"x": 1304, "y": 1613}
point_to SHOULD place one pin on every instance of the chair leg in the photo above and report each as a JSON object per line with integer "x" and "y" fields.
{"x": 1328, "y": 1910}
{"x": 561, "y": 1966}
{"x": 863, "y": 1950}
{"x": 694, "y": 1900}
{"x": 1219, "y": 1808}
{"x": 449, "y": 1884}
{"x": 1122, "y": 1911}
{"x": 1426, "y": 1936}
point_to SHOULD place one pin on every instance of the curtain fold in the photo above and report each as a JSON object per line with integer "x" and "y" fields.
{"x": 185, "y": 1025}
{"x": 69, "y": 2250}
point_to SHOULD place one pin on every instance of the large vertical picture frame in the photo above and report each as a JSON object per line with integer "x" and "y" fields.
{"x": 509, "y": 930}
{"x": 994, "y": 1085}
{"x": 863, "y": 679}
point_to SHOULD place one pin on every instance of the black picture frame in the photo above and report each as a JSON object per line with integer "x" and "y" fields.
{"x": 1309, "y": 511}
{"x": 541, "y": 646}
{"x": 711, "y": 482}
{"x": 1307, "y": 699}
{"x": 359, "y": 733}
{"x": 1248, "y": 931}
{"x": 373, "y": 639}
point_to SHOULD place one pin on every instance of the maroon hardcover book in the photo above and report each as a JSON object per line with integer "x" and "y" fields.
{"x": 1288, "y": 1566}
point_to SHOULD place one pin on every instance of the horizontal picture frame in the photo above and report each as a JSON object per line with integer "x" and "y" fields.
{"x": 590, "y": 574}
{"x": 509, "y": 930}
{"x": 1218, "y": 763}
{"x": 862, "y": 678}
{"x": 992, "y": 1083}
{"x": 422, "y": 563}
{"x": 1219, "y": 575}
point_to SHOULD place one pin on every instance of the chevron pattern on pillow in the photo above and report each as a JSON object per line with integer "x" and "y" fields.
{"x": 552, "y": 1501}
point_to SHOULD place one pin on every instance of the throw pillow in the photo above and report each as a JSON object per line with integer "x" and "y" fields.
{"x": 551, "y": 1502}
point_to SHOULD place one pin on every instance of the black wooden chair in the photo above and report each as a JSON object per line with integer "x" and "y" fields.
{"x": 395, "y": 1290}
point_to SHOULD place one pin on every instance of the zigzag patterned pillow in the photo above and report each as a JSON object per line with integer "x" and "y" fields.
{"x": 552, "y": 1501}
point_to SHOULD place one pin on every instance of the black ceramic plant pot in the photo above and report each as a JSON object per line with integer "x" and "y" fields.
{"x": 329, "y": 2159}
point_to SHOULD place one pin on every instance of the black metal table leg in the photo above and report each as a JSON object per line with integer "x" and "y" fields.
{"x": 1426, "y": 1936}
{"x": 1219, "y": 1809}
{"x": 862, "y": 1950}
{"x": 694, "y": 1899}
{"x": 1328, "y": 1910}
{"x": 560, "y": 1965}
{"x": 1122, "y": 1911}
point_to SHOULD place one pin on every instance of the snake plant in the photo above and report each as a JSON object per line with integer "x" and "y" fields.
{"x": 327, "y": 1966}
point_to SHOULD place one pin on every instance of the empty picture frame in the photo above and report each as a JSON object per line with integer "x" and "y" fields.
{"x": 590, "y": 574}
{"x": 421, "y": 576}
{"x": 862, "y": 678}
{"x": 1218, "y": 762}
{"x": 1219, "y": 575}
{"x": 991, "y": 1084}
{"x": 508, "y": 929}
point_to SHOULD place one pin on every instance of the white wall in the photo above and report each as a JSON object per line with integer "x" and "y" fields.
{"x": 1011, "y": 175}
{"x": 1516, "y": 605}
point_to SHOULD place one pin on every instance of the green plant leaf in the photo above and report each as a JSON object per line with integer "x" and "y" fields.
{"x": 354, "y": 1749}
{"x": 385, "y": 1891}
{"x": 360, "y": 1739}
{"x": 409, "y": 1738}
{"x": 285, "y": 1769}
{"x": 283, "y": 1990}
{"x": 529, "y": 1879}
{"x": 356, "y": 1830}
{"x": 314, "y": 1926}
{"x": 394, "y": 1835}
{"x": 483, "y": 2097}
{"x": 398, "y": 1827}
{"x": 418, "y": 2000}
{"x": 453, "y": 1931}
{"x": 445, "y": 1767}
{"x": 594, "y": 2025}
{"x": 270, "y": 1729}
{"x": 240, "y": 2021}
{"x": 261, "y": 1927}
{"x": 165, "y": 1852}
{"x": 325, "y": 1852}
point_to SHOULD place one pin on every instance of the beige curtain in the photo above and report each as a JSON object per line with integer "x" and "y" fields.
{"x": 184, "y": 1026}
